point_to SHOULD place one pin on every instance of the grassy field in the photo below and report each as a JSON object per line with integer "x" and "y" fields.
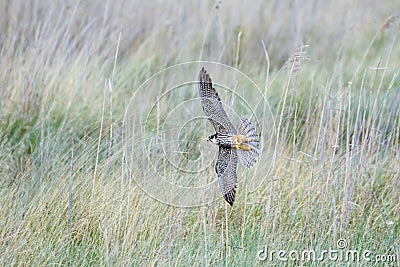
{"x": 98, "y": 142}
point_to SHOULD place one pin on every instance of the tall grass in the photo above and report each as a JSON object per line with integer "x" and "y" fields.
{"x": 69, "y": 69}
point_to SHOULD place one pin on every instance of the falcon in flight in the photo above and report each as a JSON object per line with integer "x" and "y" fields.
{"x": 241, "y": 143}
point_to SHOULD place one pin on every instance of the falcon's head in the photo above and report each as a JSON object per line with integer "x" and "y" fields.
{"x": 213, "y": 138}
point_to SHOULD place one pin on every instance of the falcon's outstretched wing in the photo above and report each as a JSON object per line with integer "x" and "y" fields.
{"x": 226, "y": 169}
{"x": 212, "y": 105}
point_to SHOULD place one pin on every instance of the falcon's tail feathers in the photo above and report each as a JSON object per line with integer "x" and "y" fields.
{"x": 247, "y": 129}
{"x": 248, "y": 158}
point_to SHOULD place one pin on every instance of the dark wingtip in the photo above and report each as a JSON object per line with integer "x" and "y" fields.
{"x": 230, "y": 196}
{"x": 204, "y": 76}
{"x": 201, "y": 74}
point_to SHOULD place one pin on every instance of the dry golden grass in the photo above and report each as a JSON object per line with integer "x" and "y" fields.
{"x": 68, "y": 70}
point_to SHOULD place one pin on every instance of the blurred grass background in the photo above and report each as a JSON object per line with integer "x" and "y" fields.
{"x": 65, "y": 194}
